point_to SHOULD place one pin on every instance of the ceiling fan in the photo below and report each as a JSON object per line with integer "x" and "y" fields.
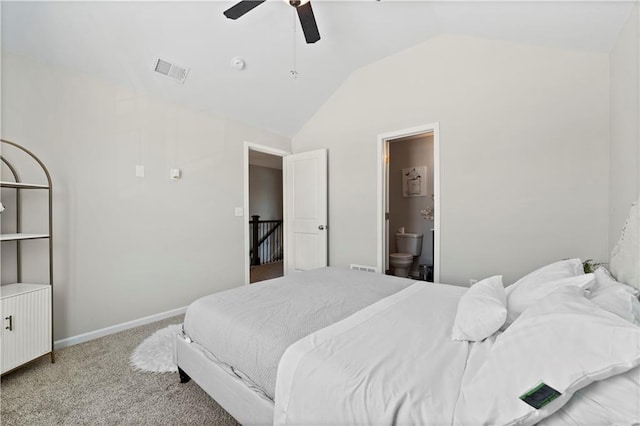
{"x": 303, "y": 7}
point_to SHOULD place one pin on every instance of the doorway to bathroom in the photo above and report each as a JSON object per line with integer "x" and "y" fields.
{"x": 409, "y": 210}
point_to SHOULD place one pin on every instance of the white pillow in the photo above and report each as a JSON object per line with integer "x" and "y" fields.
{"x": 605, "y": 282}
{"x": 621, "y": 303}
{"x": 526, "y": 293}
{"x": 564, "y": 341}
{"x": 482, "y": 310}
{"x": 551, "y": 272}
{"x": 612, "y": 401}
{"x": 554, "y": 271}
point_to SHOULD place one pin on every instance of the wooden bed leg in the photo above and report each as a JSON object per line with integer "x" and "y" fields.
{"x": 184, "y": 377}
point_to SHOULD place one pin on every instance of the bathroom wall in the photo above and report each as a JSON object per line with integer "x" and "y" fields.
{"x": 405, "y": 211}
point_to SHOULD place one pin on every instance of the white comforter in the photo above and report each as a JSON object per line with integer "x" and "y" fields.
{"x": 340, "y": 375}
{"x": 247, "y": 329}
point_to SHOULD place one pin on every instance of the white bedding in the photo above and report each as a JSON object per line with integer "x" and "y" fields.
{"x": 247, "y": 329}
{"x": 378, "y": 350}
{"x": 353, "y": 372}
{"x": 394, "y": 362}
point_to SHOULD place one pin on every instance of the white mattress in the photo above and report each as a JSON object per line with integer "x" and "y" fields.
{"x": 248, "y": 329}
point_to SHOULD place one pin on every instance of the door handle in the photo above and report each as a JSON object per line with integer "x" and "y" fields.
{"x": 321, "y": 227}
{"x": 10, "y": 326}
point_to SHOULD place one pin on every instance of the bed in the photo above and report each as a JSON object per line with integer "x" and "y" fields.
{"x": 335, "y": 346}
{"x": 254, "y": 325}
{"x": 410, "y": 372}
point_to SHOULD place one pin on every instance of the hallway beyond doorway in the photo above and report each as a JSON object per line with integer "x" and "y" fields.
{"x": 265, "y": 272}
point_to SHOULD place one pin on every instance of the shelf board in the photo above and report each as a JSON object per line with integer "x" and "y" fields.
{"x": 9, "y": 290}
{"x": 22, "y": 236}
{"x": 22, "y": 185}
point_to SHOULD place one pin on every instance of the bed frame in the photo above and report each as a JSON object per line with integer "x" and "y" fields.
{"x": 245, "y": 405}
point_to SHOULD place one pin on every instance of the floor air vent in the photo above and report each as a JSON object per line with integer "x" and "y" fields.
{"x": 171, "y": 70}
{"x": 363, "y": 268}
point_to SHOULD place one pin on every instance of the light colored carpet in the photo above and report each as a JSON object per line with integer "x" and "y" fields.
{"x": 93, "y": 384}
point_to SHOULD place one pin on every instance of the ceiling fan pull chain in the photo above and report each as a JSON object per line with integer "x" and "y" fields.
{"x": 294, "y": 71}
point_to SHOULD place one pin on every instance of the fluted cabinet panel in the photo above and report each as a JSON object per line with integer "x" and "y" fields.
{"x": 26, "y": 326}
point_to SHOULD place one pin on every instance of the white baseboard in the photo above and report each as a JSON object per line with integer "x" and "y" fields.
{"x": 85, "y": 337}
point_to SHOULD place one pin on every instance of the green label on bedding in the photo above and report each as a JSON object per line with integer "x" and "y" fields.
{"x": 540, "y": 395}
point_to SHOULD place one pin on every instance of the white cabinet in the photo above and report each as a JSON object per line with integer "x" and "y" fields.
{"x": 25, "y": 307}
{"x": 26, "y": 325}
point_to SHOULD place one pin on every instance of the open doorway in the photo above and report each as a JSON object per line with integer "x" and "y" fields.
{"x": 409, "y": 204}
{"x": 264, "y": 207}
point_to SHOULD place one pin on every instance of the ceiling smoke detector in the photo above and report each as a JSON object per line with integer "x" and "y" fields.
{"x": 237, "y": 63}
{"x": 171, "y": 70}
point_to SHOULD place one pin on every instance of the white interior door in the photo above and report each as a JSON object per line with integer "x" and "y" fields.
{"x": 305, "y": 200}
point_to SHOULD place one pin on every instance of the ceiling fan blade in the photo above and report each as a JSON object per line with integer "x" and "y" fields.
{"x": 236, "y": 11}
{"x": 308, "y": 22}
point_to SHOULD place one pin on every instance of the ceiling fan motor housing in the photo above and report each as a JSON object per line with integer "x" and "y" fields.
{"x": 298, "y": 3}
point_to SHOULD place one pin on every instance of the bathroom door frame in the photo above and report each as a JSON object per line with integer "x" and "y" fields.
{"x": 384, "y": 140}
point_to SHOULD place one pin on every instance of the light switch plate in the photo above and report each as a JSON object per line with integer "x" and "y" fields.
{"x": 239, "y": 211}
{"x": 139, "y": 170}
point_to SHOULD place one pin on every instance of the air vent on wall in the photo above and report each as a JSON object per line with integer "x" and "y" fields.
{"x": 171, "y": 70}
{"x": 363, "y": 268}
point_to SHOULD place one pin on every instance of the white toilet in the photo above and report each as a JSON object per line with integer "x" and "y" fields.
{"x": 409, "y": 246}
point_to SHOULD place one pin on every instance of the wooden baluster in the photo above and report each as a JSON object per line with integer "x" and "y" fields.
{"x": 255, "y": 220}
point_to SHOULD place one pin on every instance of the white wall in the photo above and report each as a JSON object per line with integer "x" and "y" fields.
{"x": 128, "y": 247}
{"x": 523, "y": 148}
{"x": 624, "y": 151}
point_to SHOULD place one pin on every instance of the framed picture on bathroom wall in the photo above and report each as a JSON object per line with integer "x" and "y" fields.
{"x": 414, "y": 181}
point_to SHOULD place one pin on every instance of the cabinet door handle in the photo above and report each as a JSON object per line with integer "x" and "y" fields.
{"x": 10, "y": 326}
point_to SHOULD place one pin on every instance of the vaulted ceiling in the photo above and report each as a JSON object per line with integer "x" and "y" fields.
{"x": 119, "y": 41}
